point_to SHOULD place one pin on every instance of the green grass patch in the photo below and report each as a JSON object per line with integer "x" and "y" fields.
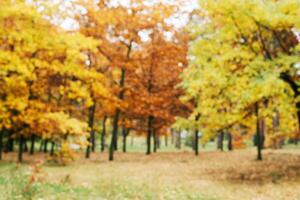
{"x": 15, "y": 185}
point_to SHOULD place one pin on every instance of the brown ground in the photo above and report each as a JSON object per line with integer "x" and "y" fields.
{"x": 229, "y": 175}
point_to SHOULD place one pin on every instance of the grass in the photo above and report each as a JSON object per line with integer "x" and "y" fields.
{"x": 15, "y": 184}
{"x": 58, "y": 185}
{"x": 139, "y": 145}
{"x": 169, "y": 174}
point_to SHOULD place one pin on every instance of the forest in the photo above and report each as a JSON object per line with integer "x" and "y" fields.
{"x": 150, "y": 99}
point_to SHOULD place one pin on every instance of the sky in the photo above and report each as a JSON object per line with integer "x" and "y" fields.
{"x": 178, "y": 20}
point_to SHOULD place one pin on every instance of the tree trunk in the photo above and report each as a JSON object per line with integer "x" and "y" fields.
{"x": 91, "y": 139}
{"x": 285, "y": 76}
{"x": 103, "y": 134}
{"x": 197, "y": 136}
{"x": 124, "y": 133}
{"x": 263, "y": 125}
{"x": 193, "y": 142}
{"x": 114, "y": 135}
{"x": 20, "y": 154}
{"x": 1, "y": 143}
{"x": 116, "y": 142}
{"x": 52, "y": 148}
{"x": 46, "y": 146}
{"x": 127, "y": 130}
{"x": 277, "y": 142}
{"x": 196, "y": 142}
{"x": 262, "y": 132}
{"x": 25, "y": 145}
{"x": 229, "y": 138}
{"x": 117, "y": 114}
{"x": 10, "y": 142}
{"x": 32, "y": 144}
{"x": 178, "y": 139}
{"x": 154, "y": 141}
{"x": 124, "y": 144}
{"x": 220, "y": 141}
{"x": 258, "y": 133}
{"x": 149, "y": 131}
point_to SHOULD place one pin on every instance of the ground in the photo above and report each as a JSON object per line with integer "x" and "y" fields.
{"x": 165, "y": 175}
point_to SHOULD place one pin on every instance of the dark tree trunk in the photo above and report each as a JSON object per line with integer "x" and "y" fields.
{"x": 124, "y": 133}
{"x": 20, "y": 154}
{"x": 196, "y": 142}
{"x": 103, "y": 133}
{"x": 154, "y": 141}
{"x": 196, "y": 137}
{"x": 124, "y": 144}
{"x": 262, "y": 132}
{"x": 295, "y": 87}
{"x": 52, "y": 148}
{"x": 10, "y": 145}
{"x": 193, "y": 142}
{"x": 149, "y": 131}
{"x": 116, "y": 142}
{"x": 91, "y": 116}
{"x": 32, "y": 140}
{"x": 220, "y": 141}
{"x": 117, "y": 115}
{"x": 229, "y": 138}
{"x": 150, "y": 117}
{"x": 10, "y": 142}
{"x": 263, "y": 125}
{"x": 1, "y": 143}
{"x": 46, "y": 146}
{"x": 91, "y": 139}
{"x": 258, "y": 133}
{"x": 114, "y": 135}
{"x": 25, "y": 145}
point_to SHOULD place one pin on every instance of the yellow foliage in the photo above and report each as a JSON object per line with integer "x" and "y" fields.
{"x": 240, "y": 53}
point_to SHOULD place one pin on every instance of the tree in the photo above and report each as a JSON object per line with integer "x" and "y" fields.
{"x": 238, "y": 58}
{"x": 120, "y": 29}
{"x": 152, "y": 95}
{"x": 43, "y": 76}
